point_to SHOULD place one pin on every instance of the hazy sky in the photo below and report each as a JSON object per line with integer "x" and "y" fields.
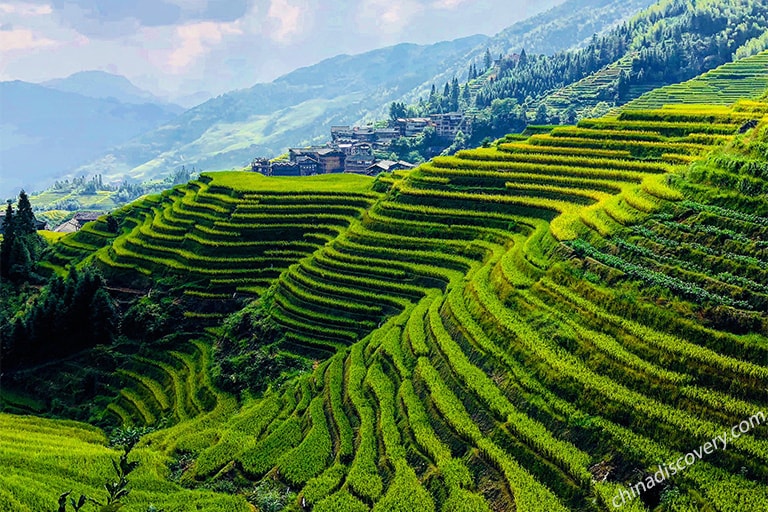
{"x": 177, "y": 47}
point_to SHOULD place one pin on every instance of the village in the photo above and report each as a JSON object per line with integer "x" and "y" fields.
{"x": 355, "y": 149}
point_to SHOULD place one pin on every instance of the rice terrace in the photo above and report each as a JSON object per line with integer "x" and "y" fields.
{"x": 569, "y": 318}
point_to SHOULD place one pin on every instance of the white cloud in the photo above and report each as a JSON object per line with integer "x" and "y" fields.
{"x": 196, "y": 39}
{"x": 447, "y": 4}
{"x": 23, "y": 39}
{"x": 23, "y": 9}
{"x": 287, "y": 18}
{"x": 390, "y": 15}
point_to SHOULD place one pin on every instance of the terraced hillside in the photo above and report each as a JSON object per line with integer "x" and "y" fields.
{"x": 171, "y": 386}
{"x": 534, "y": 326}
{"x": 43, "y": 458}
{"x": 222, "y": 235}
{"x": 725, "y": 85}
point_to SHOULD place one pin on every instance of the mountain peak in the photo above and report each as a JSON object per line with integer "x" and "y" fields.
{"x": 104, "y": 85}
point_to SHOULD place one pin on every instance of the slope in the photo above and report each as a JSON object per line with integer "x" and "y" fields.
{"x": 563, "y": 27}
{"x": 60, "y": 456}
{"x": 507, "y": 381}
{"x": 298, "y": 108}
{"x": 532, "y": 326}
{"x": 670, "y": 42}
{"x": 722, "y": 86}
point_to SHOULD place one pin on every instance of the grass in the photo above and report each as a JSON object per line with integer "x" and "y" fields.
{"x": 249, "y": 182}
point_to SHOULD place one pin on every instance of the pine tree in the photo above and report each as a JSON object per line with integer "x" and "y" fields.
{"x": 21, "y": 263}
{"x": 25, "y": 218}
{"x": 488, "y": 59}
{"x": 523, "y": 60}
{"x": 8, "y": 238}
{"x": 102, "y": 318}
{"x": 542, "y": 116}
{"x": 455, "y": 95}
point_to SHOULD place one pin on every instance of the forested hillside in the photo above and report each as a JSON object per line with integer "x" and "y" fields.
{"x": 566, "y": 26}
{"x": 536, "y": 325}
{"x": 670, "y": 42}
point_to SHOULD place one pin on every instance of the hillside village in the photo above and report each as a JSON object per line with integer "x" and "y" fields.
{"x": 355, "y": 149}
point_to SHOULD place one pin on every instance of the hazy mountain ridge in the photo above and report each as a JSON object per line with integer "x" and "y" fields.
{"x": 102, "y": 85}
{"x": 299, "y": 108}
{"x": 47, "y": 132}
{"x": 295, "y": 109}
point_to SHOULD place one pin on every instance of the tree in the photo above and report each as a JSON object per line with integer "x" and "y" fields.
{"x": 397, "y": 111}
{"x": 102, "y": 318}
{"x": 466, "y": 93}
{"x": 570, "y": 115}
{"x": 21, "y": 243}
{"x": 21, "y": 263}
{"x": 454, "y": 105}
{"x": 8, "y": 238}
{"x": 542, "y": 117}
{"x": 488, "y": 59}
{"x": 523, "y": 116}
{"x": 25, "y": 219}
{"x": 523, "y": 60}
{"x": 113, "y": 226}
{"x": 622, "y": 88}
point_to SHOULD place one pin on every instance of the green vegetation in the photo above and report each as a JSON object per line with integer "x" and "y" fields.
{"x": 532, "y": 325}
{"x": 93, "y": 194}
{"x": 667, "y": 43}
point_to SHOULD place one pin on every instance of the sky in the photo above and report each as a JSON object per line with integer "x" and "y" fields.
{"x": 175, "y": 48}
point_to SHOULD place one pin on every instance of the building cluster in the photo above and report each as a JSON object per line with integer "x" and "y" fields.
{"x": 353, "y": 148}
{"x": 77, "y": 222}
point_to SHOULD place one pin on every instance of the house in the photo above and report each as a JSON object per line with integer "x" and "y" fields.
{"x": 412, "y": 126}
{"x": 284, "y": 168}
{"x": 448, "y": 125}
{"x": 387, "y": 135}
{"x": 77, "y": 222}
{"x": 341, "y": 134}
{"x": 388, "y": 166}
{"x": 364, "y": 134}
{"x": 329, "y": 159}
{"x": 262, "y": 165}
{"x": 308, "y": 166}
{"x": 360, "y": 159}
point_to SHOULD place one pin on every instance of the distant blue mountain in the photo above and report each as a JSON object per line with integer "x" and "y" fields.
{"x": 45, "y": 133}
{"x": 102, "y": 85}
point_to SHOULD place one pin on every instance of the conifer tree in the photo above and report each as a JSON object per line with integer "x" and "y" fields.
{"x": 523, "y": 60}
{"x": 25, "y": 218}
{"x": 8, "y": 238}
{"x": 455, "y": 95}
{"x": 542, "y": 117}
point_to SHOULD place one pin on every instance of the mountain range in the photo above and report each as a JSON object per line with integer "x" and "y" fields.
{"x": 125, "y": 139}
{"x": 49, "y": 129}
